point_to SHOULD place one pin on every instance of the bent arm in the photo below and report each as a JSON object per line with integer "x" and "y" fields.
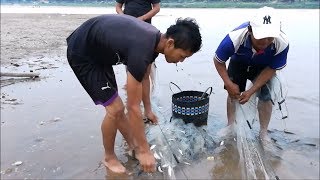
{"x": 155, "y": 9}
{"x": 232, "y": 88}
{"x": 262, "y": 79}
{"x": 222, "y": 70}
{"x": 134, "y": 92}
{"x": 119, "y": 8}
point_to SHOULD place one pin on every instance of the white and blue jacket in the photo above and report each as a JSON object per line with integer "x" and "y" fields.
{"x": 237, "y": 46}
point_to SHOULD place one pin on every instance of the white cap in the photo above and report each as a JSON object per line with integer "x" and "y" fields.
{"x": 265, "y": 23}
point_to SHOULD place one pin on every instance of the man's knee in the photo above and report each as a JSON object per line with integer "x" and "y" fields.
{"x": 115, "y": 109}
{"x": 264, "y": 98}
{"x": 264, "y": 94}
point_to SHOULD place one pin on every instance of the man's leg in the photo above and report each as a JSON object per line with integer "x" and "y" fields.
{"x": 265, "y": 110}
{"x": 231, "y": 110}
{"x": 228, "y": 132}
{"x": 146, "y": 97}
{"x": 238, "y": 74}
{"x": 101, "y": 86}
{"x": 153, "y": 74}
{"x": 114, "y": 119}
{"x": 146, "y": 90}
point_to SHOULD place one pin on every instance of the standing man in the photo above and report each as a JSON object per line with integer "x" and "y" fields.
{"x": 143, "y": 10}
{"x": 103, "y": 41}
{"x": 257, "y": 49}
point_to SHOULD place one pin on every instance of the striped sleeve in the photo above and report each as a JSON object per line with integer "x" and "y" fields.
{"x": 280, "y": 60}
{"x": 225, "y": 50}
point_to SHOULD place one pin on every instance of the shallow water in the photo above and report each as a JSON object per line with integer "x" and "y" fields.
{"x": 54, "y": 128}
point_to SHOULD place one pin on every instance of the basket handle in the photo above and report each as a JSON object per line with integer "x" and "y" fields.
{"x": 206, "y": 92}
{"x": 175, "y": 85}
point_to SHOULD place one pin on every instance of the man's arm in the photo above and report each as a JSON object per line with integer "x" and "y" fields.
{"x": 232, "y": 88}
{"x": 155, "y": 9}
{"x": 222, "y": 70}
{"x": 143, "y": 153}
{"x": 134, "y": 93}
{"x": 261, "y": 80}
{"x": 119, "y": 8}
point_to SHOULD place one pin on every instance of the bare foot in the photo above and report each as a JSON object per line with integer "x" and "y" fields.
{"x": 114, "y": 165}
{"x": 263, "y": 135}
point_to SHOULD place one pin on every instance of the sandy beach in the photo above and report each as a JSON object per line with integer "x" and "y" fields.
{"x": 25, "y": 35}
{"x": 50, "y": 129}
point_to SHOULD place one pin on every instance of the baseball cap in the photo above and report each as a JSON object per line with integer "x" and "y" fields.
{"x": 265, "y": 23}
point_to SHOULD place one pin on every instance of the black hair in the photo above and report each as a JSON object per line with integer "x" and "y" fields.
{"x": 250, "y": 28}
{"x": 186, "y": 34}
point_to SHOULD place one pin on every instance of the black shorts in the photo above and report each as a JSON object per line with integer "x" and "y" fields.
{"x": 97, "y": 79}
{"x": 240, "y": 72}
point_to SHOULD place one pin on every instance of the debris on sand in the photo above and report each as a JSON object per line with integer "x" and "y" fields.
{"x": 56, "y": 119}
{"x": 19, "y": 74}
{"x": 17, "y": 163}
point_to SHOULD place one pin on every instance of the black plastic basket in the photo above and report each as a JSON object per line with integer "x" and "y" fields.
{"x": 191, "y": 106}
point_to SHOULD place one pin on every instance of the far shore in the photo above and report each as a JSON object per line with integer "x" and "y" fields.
{"x": 37, "y": 9}
{"x": 198, "y": 4}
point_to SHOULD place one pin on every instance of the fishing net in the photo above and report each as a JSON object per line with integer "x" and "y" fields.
{"x": 252, "y": 161}
{"x": 278, "y": 90}
{"x": 252, "y": 150}
{"x": 176, "y": 143}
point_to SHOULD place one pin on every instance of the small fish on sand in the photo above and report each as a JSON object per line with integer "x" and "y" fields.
{"x": 156, "y": 155}
{"x": 170, "y": 171}
{"x": 186, "y": 163}
{"x": 152, "y": 147}
{"x": 210, "y": 158}
{"x": 159, "y": 169}
{"x": 17, "y": 163}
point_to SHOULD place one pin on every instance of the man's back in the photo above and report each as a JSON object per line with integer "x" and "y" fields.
{"x": 109, "y": 39}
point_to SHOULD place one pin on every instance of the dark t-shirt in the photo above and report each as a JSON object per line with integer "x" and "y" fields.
{"x": 110, "y": 39}
{"x": 137, "y": 8}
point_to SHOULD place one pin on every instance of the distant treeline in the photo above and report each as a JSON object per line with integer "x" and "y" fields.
{"x": 180, "y": 3}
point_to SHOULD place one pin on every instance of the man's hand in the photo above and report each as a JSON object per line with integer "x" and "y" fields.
{"x": 152, "y": 117}
{"x": 233, "y": 90}
{"x": 141, "y": 18}
{"x": 147, "y": 161}
{"x": 245, "y": 96}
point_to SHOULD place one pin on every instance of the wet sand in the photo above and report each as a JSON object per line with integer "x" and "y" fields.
{"x": 51, "y": 125}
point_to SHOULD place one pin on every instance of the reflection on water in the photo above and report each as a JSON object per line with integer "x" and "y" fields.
{"x": 227, "y": 161}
